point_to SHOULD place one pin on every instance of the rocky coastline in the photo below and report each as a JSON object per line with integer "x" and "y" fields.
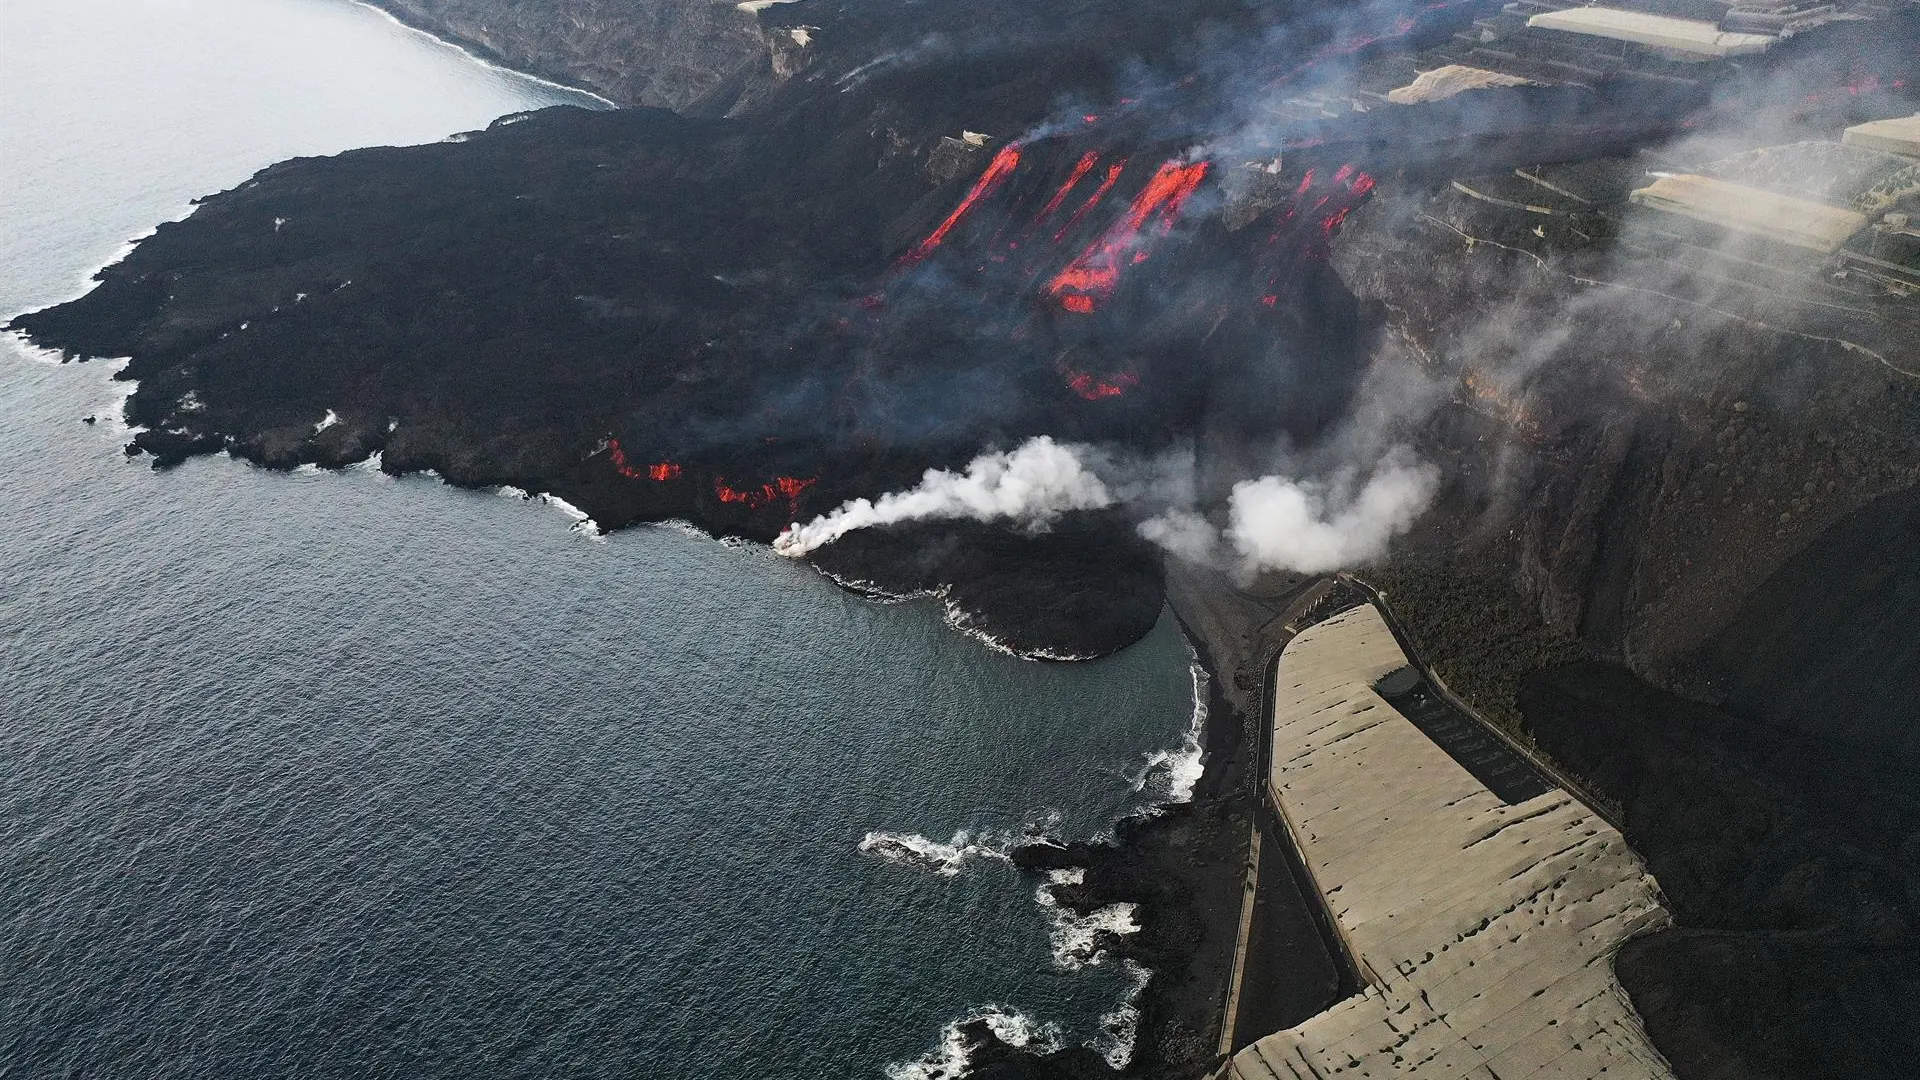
{"x": 742, "y": 313}
{"x": 1185, "y": 867}
{"x": 667, "y": 54}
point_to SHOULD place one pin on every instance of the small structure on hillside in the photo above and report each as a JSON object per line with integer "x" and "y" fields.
{"x": 1897, "y": 136}
{"x": 1682, "y": 38}
{"x": 1799, "y": 223}
{"x": 1445, "y": 82}
{"x": 951, "y": 156}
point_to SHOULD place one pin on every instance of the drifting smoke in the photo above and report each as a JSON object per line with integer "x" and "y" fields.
{"x": 1032, "y": 485}
{"x": 1308, "y": 527}
{"x": 1280, "y": 524}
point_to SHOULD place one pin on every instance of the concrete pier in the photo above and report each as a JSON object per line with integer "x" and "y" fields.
{"x": 1484, "y": 930}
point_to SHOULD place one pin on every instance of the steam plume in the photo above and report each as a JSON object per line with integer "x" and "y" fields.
{"x": 1276, "y": 523}
{"x": 1281, "y": 524}
{"x": 1033, "y": 485}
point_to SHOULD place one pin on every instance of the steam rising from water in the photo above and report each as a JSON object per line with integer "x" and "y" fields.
{"x": 1031, "y": 485}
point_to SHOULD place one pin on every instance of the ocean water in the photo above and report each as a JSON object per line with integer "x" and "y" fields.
{"x": 333, "y": 774}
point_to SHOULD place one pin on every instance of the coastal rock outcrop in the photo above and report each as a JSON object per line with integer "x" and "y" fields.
{"x": 669, "y": 54}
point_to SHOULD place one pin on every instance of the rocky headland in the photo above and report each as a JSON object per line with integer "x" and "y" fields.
{"x": 669, "y": 54}
{"x": 877, "y": 238}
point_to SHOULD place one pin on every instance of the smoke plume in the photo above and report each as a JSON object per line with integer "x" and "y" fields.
{"x": 1306, "y": 526}
{"x": 1031, "y": 485}
{"x": 1281, "y": 524}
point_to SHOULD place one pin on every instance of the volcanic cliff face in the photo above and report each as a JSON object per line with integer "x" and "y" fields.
{"x": 1661, "y": 450}
{"x": 670, "y": 54}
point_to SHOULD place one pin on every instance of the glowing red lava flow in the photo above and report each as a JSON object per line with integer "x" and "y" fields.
{"x": 998, "y": 170}
{"x": 1080, "y": 171}
{"x": 1097, "y": 271}
{"x": 662, "y": 471}
{"x": 1113, "y": 177}
{"x": 1349, "y": 189}
{"x": 783, "y": 487}
{"x": 1095, "y": 388}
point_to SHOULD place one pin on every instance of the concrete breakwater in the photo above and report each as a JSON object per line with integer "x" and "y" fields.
{"x": 1483, "y": 929}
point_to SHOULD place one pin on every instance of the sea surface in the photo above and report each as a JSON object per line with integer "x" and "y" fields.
{"x": 338, "y": 775}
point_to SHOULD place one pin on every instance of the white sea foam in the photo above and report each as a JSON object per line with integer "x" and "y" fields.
{"x": 1120, "y": 1027}
{"x": 1078, "y": 940}
{"x": 949, "y": 1060}
{"x": 684, "y": 527}
{"x": 1175, "y": 773}
{"x": 968, "y": 623}
{"x": 35, "y": 353}
{"x": 946, "y": 859}
{"x": 119, "y": 392}
{"x": 583, "y": 522}
{"x": 873, "y": 590}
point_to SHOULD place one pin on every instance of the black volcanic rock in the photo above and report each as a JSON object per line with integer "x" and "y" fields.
{"x": 744, "y": 322}
{"x": 660, "y": 53}
{"x": 657, "y": 316}
{"x": 747, "y": 313}
{"x": 1086, "y": 587}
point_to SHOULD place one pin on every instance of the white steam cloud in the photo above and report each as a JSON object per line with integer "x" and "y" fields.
{"x": 1309, "y": 527}
{"x": 1276, "y": 523}
{"x": 1032, "y": 485}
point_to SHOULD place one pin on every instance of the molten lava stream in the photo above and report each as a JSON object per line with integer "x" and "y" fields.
{"x": 1096, "y": 272}
{"x": 788, "y": 488}
{"x": 1098, "y": 388}
{"x": 1106, "y": 185}
{"x": 1080, "y": 170}
{"x": 1290, "y": 235}
{"x": 659, "y": 472}
{"x": 998, "y": 170}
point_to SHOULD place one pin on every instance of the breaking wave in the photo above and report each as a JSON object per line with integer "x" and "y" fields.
{"x": 872, "y": 591}
{"x": 951, "y": 1059}
{"x": 1076, "y": 940}
{"x": 1173, "y": 774}
{"x": 950, "y": 857}
{"x": 1079, "y": 940}
{"x": 945, "y": 859}
{"x": 968, "y": 623}
{"x": 583, "y": 522}
{"x": 1120, "y": 1028}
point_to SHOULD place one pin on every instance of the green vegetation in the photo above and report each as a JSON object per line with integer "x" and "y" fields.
{"x": 1474, "y": 634}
